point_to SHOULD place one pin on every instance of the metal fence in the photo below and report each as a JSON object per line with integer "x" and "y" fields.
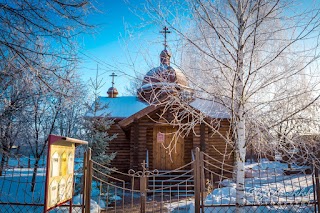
{"x": 269, "y": 187}
{"x": 16, "y": 194}
{"x": 202, "y": 186}
{"x": 139, "y": 191}
{"x": 199, "y": 186}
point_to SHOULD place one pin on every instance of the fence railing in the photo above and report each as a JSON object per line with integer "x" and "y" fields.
{"x": 16, "y": 183}
{"x": 204, "y": 185}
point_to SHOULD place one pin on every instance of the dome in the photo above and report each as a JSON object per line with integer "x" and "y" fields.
{"x": 112, "y": 92}
{"x": 162, "y": 81}
{"x": 163, "y": 75}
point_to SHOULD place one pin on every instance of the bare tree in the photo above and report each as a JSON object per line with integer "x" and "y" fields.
{"x": 97, "y": 123}
{"x": 241, "y": 49}
{"x": 45, "y": 109}
{"x": 33, "y": 30}
{"x": 41, "y": 114}
{"x": 73, "y": 107}
{"x": 38, "y": 57}
{"x": 13, "y": 101}
{"x": 297, "y": 99}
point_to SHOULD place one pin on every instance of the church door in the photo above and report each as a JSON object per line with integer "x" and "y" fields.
{"x": 163, "y": 145}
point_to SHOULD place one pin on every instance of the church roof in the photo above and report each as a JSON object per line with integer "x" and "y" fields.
{"x": 211, "y": 108}
{"x": 126, "y": 106}
{"x": 120, "y": 107}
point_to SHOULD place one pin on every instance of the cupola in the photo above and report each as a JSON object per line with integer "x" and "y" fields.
{"x": 162, "y": 80}
{"x": 112, "y": 91}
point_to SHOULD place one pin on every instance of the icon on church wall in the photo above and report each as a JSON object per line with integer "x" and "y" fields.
{"x": 160, "y": 137}
{"x": 64, "y": 162}
{"x": 70, "y": 163}
{"x": 62, "y": 189}
{"x": 69, "y": 187}
{"x": 53, "y": 193}
{"x": 55, "y": 165}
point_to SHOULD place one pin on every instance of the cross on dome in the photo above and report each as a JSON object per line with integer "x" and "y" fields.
{"x": 113, "y": 75}
{"x": 165, "y": 54}
{"x": 165, "y": 31}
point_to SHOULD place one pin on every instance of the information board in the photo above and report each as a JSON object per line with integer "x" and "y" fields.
{"x": 160, "y": 137}
{"x": 60, "y": 170}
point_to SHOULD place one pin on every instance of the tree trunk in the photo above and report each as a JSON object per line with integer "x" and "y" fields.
{"x": 240, "y": 162}
{"x": 240, "y": 115}
{"x": 3, "y": 160}
{"x": 34, "y": 174}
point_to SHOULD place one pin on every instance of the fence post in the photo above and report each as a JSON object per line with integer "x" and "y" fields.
{"x": 197, "y": 179}
{"x": 316, "y": 173}
{"x": 84, "y": 181}
{"x": 88, "y": 182}
{"x": 202, "y": 179}
{"x": 143, "y": 188}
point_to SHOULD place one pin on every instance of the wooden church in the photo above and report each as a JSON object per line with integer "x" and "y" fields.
{"x": 144, "y": 126}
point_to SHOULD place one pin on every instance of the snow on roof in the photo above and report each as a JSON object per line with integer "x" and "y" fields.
{"x": 125, "y": 106}
{"x": 210, "y": 108}
{"x": 121, "y": 107}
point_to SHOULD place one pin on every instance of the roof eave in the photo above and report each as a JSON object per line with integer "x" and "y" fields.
{"x": 127, "y": 121}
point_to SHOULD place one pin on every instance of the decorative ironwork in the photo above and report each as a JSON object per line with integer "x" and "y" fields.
{"x": 145, "y": 171}
{"x": 161, "y": 191}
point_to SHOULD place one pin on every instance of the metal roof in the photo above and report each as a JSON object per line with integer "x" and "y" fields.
{"x": 125, "y": 106}
{"x": 120, "y": 107}
{"x": 211, "y": 108}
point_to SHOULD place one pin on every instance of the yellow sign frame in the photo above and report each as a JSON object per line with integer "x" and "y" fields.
{"x": 60, "y": 171}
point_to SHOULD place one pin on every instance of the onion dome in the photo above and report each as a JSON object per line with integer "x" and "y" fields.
{"x": 162, "y": 80}
{"x": 112, "y": 92}
{"x": 164, "y": 74}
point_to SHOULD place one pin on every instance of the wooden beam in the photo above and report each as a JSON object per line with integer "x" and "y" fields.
{"x": 126, "y": 122}
{"x": 136, "y": 143}
{"x": 202, "y": 137}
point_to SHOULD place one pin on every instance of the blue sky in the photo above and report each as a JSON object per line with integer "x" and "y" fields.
{"x": 113, "y": 48}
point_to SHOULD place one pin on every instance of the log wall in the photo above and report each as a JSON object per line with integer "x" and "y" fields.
{"x": 120, "y": 145}
{"x": 132, "y": 143}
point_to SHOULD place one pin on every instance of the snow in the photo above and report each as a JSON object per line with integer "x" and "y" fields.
{"x": 126, "y": 106}
{"x": 120, "y": 107}
{"x": 94, "y": 206}
{"x": 15, "y": 185}
{"x": 225, "y": 195}
{"x": 210, "y": 108}
{"x": 267, "y": 185}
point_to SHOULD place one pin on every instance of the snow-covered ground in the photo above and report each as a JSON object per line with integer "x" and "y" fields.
{"x": 265, "y": 184}
{"x": 265, "y": 187}
{"x": 15, "y": 187}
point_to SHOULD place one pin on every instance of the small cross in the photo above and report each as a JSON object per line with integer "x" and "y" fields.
{"x": 165, "y": 31}
{"x": 113, "y": 75}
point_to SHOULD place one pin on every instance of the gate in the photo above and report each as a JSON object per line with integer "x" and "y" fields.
{"x": 138, "y": 191}
{"x": 199, "y": 186}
